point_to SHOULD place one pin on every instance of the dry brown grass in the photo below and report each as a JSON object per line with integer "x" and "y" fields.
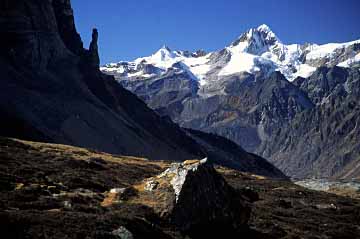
{"x": 346, "y": 191}
{"x": 190, "y": 162}
{"x": 110, "y": 199}
{"x": 84, "y": 154}
{"x": 236, "y": 173}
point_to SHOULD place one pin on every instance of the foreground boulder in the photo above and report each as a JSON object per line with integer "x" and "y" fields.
{"x": 196, "y": 199}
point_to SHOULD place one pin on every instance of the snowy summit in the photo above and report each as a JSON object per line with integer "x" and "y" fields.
{"x": 257, "y": 50}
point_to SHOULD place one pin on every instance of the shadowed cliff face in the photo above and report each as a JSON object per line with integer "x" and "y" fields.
{"x": 52, "y": 89}
{"x": 30, "y": 41}
{"x": 66, "y": 26}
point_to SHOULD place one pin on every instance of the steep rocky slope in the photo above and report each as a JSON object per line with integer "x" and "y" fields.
{"x": 52, "y": 89}
{"x": 60, "y": 191}
{"x": 324, "y": 141}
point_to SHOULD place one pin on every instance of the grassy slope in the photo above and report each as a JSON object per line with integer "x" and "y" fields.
{"x": 31, "y": 174}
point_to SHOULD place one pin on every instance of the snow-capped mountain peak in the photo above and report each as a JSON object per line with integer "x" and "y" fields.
{"x": 259, "y": 49}
{"x": 267, "y": 32}
{"x": 264, "y": 27}
{"x": 163, "y": 54}
{"x": 256, "y": 41}
{"x": 162, "y": 58}
{"x": 256, "y": 50}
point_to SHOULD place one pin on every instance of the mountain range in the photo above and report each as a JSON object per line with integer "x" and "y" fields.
{"x": 257, "y": 50}
{"x": 296, "y": 105}
{"x": 53, "y": 91}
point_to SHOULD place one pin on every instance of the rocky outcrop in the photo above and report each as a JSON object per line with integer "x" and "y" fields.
{"x": 195, "y": 198}
{"x": 122, "y": 233}
{"x": 324, "y": 82}
{"x": 93, "y": 53}
{"x": 41, "y": 100}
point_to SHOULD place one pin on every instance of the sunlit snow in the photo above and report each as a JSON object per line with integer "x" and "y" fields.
{"x": 259, "y": 49}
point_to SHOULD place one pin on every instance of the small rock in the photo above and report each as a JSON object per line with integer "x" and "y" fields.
{"x": 67, "y": 204}
{"x": 19, "y": 186}
{"x": 151, "y": 185}
{"x": 122, "y": 233}
{"x": 53, "y": 189}
{"x": 117, "y": 190}
{"x": 97, "y": 160}
{"x": 326, "y": 206}
{"x": 117, "y": 195}
{"x": 83, "y": 191}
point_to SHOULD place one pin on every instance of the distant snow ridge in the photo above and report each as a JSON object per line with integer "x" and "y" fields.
{"x": 257, "y": 50}
{"x": 164, "y": 59}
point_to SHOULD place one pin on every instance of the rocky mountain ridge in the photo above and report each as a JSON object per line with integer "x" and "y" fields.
{"x": 325, "y": 137}
{"x": 257, "y": 50}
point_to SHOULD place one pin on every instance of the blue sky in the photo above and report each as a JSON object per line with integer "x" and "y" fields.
{"x": 134, "y": 28}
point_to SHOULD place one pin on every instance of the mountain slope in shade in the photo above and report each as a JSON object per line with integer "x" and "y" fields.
{"x": 80, "y": 105}
{"x": 224, "y": 152}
